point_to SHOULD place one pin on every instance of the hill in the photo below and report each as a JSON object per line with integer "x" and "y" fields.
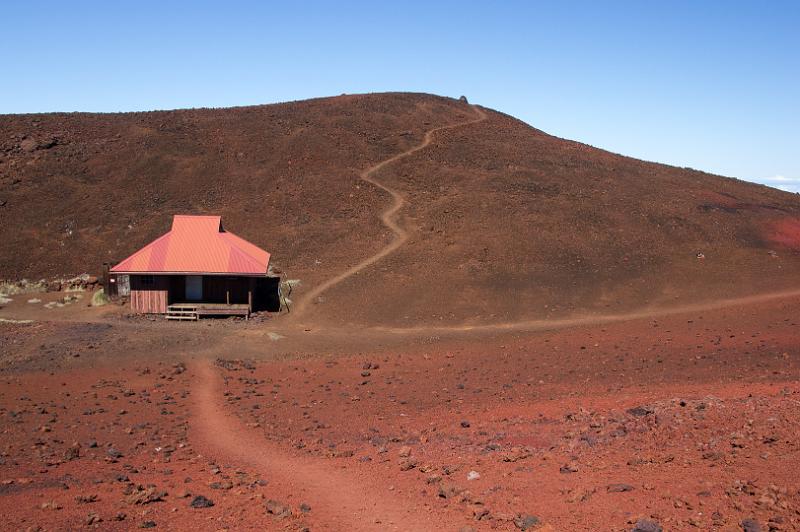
{"x": 493, "y": 221}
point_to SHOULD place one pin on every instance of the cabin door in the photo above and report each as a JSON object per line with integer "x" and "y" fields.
{"x": 194, "y": 287}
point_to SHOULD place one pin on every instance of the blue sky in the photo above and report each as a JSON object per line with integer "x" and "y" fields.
{"x": 709, "y": 85}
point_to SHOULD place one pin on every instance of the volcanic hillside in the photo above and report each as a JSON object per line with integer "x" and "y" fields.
{"x": 491, "y": 221}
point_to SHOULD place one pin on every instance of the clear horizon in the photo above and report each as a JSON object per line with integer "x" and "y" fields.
{"x": 711, "y": 86}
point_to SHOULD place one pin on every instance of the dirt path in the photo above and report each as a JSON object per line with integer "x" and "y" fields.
{"x": 341, "y": 499}
{"x": 655, "y": 312}
{"x": 387, "y": 217}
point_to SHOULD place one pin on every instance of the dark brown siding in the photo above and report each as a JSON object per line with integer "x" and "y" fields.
{"x": 266, "y": 295}
{"x": 223, "y": 289}
{"x": 153, "y": 298}
{"x": 177, "y": 288}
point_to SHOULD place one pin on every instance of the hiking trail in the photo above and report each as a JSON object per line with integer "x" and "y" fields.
{"x": 388, "y": 216}
{"x": 341, "y": 498}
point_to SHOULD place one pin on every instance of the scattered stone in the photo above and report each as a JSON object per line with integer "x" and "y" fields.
{"x": 568, "y": 468}
{"x": 750, "y": 525}
{"x": 113, "y": 453}
{"x": 640, "y": 411}
{"x": 647, "y": 525}
{"x": 92, "y": 519}
{"x": 278, "y": 509}
{"x": 447, "y": 491}
{"x": 407, "y": 465}
{"x": 481, "y": 513}
{"x": 201, "y": 502}
{"x": 145, "y": 496}
{"x": 305, "y": 508}
{"x": 516, "y": 454}
{"x": 473, "y": 475}
{"x": 581, "y": 495}
{"x": 86, "y": 499}
{"x": 619, "y": 488}
{"x": 526, "y": 521}
{"x": 465, "y": 424}
{"x": 73, "y": 452}
{"x": 405, "y": 451}
{"x": 50, "y": 505}
{"x": 148, "y": 524}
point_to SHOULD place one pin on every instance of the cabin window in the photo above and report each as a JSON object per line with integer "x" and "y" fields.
{"x": 147, "y": 280}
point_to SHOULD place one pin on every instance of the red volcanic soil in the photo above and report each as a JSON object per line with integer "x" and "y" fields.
{"x": 686, "y": 419}
{"x": 787, "y": 233}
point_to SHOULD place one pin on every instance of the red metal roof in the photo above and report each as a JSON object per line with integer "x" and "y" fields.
{"x": 197, "y": 244}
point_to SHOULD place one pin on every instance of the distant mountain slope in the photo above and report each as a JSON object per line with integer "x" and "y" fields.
{"x": 504, "y": 221}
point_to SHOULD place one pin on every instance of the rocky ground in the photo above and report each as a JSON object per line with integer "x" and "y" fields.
{"x": 680, "y": 421}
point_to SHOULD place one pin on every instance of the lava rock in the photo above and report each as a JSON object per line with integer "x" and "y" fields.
{"x": 146, "y": 496}
{"x": 113, "y": 453}
{"x": 526, "y": 521}
{"x": 619, "y": 488}
{"x": 73, "y": 452}
{"x": 647, "y": 525}
{"x": 568, "y": 468}
{"x": 278, "y": 509}
{"x": 201, "y": 502}
{"x": 639, "y": 411}
{"x": 750, "y": 525}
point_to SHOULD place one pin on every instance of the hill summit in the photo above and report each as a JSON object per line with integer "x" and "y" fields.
{"x": 493, "y": 220}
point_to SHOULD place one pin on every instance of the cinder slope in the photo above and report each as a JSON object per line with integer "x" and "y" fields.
{"x": 503, "y": 221}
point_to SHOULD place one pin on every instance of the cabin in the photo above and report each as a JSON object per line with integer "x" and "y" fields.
{"x": 198, "y": 269}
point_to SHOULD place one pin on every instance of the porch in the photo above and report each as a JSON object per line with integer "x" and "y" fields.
{"x": 193, "y": 311}
{"x": 191, "y": 296}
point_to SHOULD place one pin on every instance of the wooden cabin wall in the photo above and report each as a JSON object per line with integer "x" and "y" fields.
{"x": 177, "y": 289}
{"x": 147, "y": 297}
{"x": 153, "y": 298}
{"x": 266, "y": 295}
{"x": 218, "y": 288}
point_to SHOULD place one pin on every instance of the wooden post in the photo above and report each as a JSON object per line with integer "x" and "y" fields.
{"x": 228, "y": 296}
{"x": 251, "y": 284}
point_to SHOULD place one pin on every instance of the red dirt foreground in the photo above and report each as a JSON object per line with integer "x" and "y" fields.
{"x": 680, "y": 420}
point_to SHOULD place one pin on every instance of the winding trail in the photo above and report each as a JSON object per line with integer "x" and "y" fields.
{"x": 388, "y": 216}
{"x": 341, "y": 498}
{"x": 597, "y": 319}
